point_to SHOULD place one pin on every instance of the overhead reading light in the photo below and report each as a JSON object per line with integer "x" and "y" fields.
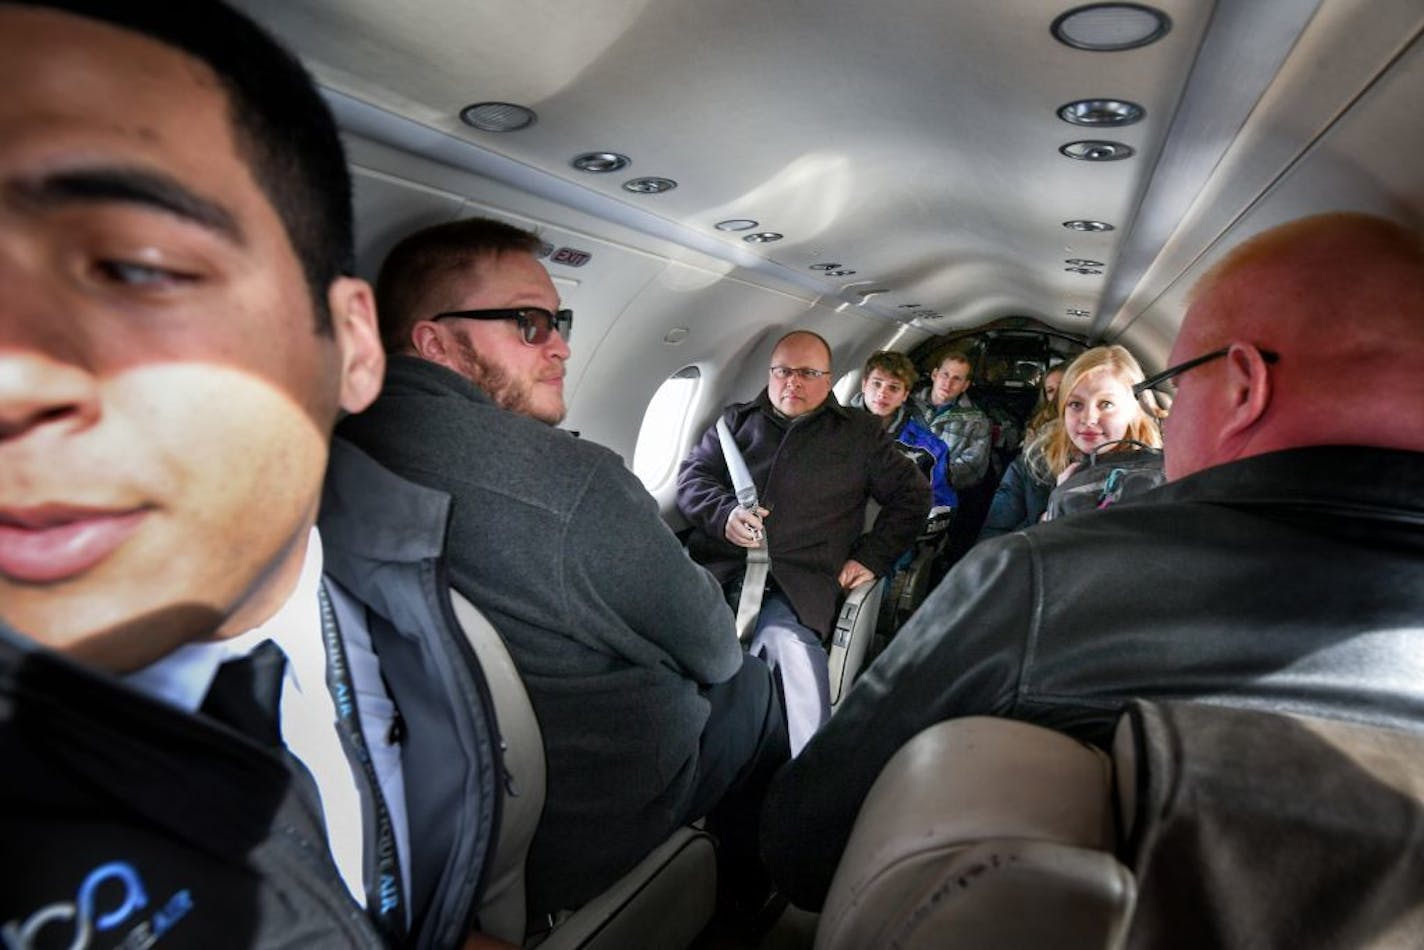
{"x": 1101, "y": 113}
{"x": 763, "y": 237}
{"x": 839, "y": 273}
{"x": 498, "y": 116}
{"x": 1082, "y": 270}
{"x": 1108, "y": 27}
{"x": 1082, "y": 262}
{"x": 1075, "y": 312}
{"x": 825, "y": 267}
{"x": 736, "y": 224}
{"x": 1082, "y": 224}
{"x": 1091, "y": 150}
{"x": 600, "y": 163}
{"x": 649, "y": 186}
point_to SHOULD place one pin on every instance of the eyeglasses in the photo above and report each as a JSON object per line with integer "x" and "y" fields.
{"x": 786, "y": 372}
{"x": 535, "y": 323}
{"x": 1157, "y": 379}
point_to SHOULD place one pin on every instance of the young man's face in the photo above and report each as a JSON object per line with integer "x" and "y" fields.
{"x": 521, "y": 377}
{"x": 950, "y": 381}
{"x": 165, "y": 399}
{"x": 883, "y": 392}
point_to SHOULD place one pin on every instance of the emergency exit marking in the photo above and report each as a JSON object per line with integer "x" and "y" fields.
{"x": 571, "y": 257}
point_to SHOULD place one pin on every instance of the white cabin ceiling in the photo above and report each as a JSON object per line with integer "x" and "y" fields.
{"x": 913, "y": 141}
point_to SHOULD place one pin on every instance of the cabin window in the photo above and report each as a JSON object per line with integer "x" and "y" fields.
{"x": 660, "y": 438}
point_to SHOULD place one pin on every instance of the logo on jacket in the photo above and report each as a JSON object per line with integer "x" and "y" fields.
{"x": 109, "y": 897}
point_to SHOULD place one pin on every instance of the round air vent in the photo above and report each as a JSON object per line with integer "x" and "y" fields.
{"x": 1092, "y": 150}
{"x": 1101, "y": 113}
{"x": 1108, "y": 27}
{"x": 601, "y": 163}
{"x": 649, "y": 186}
{"x": 498, "y": 116}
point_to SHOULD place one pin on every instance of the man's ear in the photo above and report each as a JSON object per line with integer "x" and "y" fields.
{"x": 429, "y": 342}
{"x": 363, "y": 361}
{"x": 1248, "y": 389}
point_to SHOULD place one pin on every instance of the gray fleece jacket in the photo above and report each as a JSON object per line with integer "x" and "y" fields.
{"x": 613, "y": 628}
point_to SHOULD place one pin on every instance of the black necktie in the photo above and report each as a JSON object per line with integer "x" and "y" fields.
{"x": 246, "y": 694}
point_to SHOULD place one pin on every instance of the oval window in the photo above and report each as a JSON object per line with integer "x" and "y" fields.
{"x": 660, "y": 438}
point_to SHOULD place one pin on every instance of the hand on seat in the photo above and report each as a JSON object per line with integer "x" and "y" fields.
{"x": 853, "y": 574}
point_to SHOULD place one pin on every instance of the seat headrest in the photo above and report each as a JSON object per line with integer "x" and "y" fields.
{"x": 971, "y": 824}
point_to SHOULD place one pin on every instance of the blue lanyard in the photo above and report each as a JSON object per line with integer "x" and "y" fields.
{"x": 385, "y": 897}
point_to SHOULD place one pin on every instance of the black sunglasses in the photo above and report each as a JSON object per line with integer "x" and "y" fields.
{"x": 535, "y": 323}
{"x": 1157, "y": 379}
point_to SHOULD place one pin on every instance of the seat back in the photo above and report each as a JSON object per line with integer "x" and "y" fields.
{"x": 502, "y": 912}
{"x": 983, "y": 833}
{"x": 1254, "y": 828}
{"x": 664, "y": 901}
{"x": 1236, "y": 828}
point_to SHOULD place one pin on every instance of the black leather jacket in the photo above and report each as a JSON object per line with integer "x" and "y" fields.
{"x": 1292, "y": 581}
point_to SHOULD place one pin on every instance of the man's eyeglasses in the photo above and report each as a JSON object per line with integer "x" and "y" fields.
{"x": 1157, "y": 379}
{"x": 786, "y": 372}
{"x": 535, "y": 323}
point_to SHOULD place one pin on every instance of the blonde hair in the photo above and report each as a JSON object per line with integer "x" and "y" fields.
{"x": 1046, "y": 409}
{"x": 1052, "y": 450}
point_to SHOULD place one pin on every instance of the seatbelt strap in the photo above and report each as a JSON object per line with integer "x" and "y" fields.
{"x": 758, "y": 558}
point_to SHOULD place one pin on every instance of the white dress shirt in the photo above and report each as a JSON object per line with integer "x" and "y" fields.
{"x": 308, "y": 714}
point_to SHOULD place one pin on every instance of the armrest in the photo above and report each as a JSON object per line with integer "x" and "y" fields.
{"x": 855, "y": 626}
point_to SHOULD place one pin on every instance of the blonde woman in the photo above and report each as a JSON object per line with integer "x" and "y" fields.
{"x": 1096, "y": 413}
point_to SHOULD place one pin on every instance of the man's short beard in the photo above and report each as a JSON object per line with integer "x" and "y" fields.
{"x": 507, "y": 393}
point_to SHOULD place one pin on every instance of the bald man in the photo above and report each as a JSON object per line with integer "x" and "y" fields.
{"x": 1281, "y": 568}
{"x": 815, "y": 464}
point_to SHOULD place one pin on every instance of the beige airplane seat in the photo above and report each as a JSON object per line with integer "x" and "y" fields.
{"x": 983, "y": 833}
{"x": 664, "y": 901}
{"x": 1236, "y": 828}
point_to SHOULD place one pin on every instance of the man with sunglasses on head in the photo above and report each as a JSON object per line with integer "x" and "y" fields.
{"x": 815, "y": 464}
{"x": 1280, "y": 568}
{"x": 650, "y": 715}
